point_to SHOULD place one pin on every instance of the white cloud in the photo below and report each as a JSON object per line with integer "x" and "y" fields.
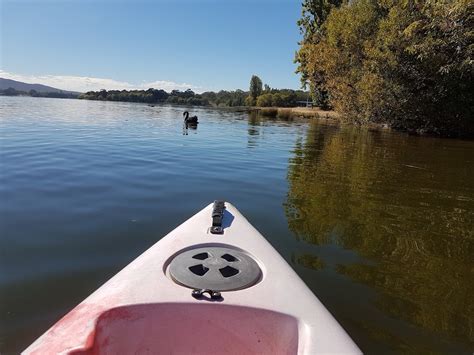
{"x": 84, "y": 83}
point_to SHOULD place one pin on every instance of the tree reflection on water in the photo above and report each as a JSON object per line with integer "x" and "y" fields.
{"x": 404, "y": 204}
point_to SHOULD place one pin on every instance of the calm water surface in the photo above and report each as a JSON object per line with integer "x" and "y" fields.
{"x": 380, "y": 225}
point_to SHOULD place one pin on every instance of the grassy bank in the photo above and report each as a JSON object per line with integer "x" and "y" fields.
{"x": 287, "y": 113}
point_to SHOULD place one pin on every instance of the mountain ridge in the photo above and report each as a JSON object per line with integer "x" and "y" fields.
{"x": 39, "y": 88}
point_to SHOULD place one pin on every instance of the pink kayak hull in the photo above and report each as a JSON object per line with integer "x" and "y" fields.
{"x": 190, "y": 328}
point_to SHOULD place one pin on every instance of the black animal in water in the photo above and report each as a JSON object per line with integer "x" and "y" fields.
{"x": 193, "y": 120}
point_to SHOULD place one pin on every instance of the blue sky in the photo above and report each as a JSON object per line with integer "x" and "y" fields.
{"x": 205, "y": 44}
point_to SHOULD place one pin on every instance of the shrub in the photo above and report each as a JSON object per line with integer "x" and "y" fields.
{"x": 249, "y": 101}
{"x": 265, "y": 100}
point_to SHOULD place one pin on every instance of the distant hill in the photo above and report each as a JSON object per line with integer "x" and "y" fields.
{"x": 39, "y": 88}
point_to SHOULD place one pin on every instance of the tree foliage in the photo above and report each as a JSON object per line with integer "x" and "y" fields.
{"x": 313, "y": 15}
{"x": 187, "y": 97}
{"x": 255, "y": 87}
{"x": 407, "y": 63}
{"x": 222, "y": 98}
{"x": 281, "y": 98}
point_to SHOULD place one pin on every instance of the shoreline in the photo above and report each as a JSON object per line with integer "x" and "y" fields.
{"x": 306, "y": 112}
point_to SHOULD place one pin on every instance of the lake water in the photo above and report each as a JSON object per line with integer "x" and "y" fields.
{"x": 379, "y": 224}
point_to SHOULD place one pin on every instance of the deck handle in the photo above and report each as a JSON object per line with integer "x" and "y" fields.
{"x": 217, "y": 216}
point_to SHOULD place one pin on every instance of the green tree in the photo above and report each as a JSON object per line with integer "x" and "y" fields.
{"x": 265, "y": 100}
{"x": 250, "y": 101}
{"x": 255, "y": 87}
{"x": 406, "y": 63}
{"x": 280, "y": 100}
{"x": 313, "y": 15}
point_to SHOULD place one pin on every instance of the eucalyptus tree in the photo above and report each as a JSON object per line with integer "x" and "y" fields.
{"x": 256, "y": 87}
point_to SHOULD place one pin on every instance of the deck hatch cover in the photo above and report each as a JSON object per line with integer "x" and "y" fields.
{"x": 215, "y": 268}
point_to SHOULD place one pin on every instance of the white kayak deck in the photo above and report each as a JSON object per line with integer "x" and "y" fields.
{"x": 142, "y": 310}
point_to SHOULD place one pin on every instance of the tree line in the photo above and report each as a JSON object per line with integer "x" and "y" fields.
{"x": 256, "y": 96}
{"x": 264, "y": 96}
{"x": 407, "y": 63}
{"x": 34, "y": 93}
{"x": 150, "y": 96}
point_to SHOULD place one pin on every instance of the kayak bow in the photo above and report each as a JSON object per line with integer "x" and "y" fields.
{"x": 212, "y": 285}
